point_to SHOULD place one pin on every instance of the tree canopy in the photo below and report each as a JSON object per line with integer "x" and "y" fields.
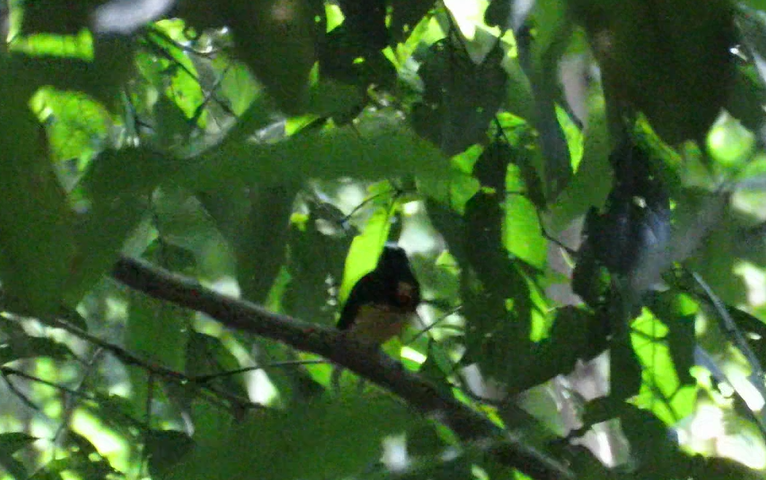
{"x": 191, "y": 189}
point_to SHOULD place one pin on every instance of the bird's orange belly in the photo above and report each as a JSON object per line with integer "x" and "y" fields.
{"x": 375, "y": 324}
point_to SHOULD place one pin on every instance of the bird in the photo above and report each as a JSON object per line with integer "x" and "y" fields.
{"x": 382, "y": 302}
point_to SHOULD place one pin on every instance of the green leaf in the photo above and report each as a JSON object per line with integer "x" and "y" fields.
{"x": 522, "y": 233}
{"x": 678, "y": 312}
{"x": 165, "y": 448}
{"x": 554, "y": 32}
{"x": 591, "y": 184}
{"x": 460, "y": 97}
{"x": 316, "y": 440}
{"x": 206, "y": 355}
{"x": 661, "y": 391}
{"x": 666, "y": 53}
{"x": 276, "y": 40}
{"x": 157, "y": 331}
{"x": 21, "y": 347}
{"x": 330, "y": 99}
{"x": 238, "y": 86}
{"x": 406, "y": 15}
{"x": 12, "y": 442}
{"x": 455, "y": 186}
{"x": 758, "y": 4}
{"x": 184, "y": 87}
{"x": 365, "y": 250}
{"x": 12, "y": 466}
{"x": 377, "y": 147}
{"x": 254, "y": 221}
{"x": 36, "y": 241}
{"x": 118, "y": 184}
{"x": 182, "y": 222}
{"x": 316, "y": 254}
{"x": 76, "y": 124}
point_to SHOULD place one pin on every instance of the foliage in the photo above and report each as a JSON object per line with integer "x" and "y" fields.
{"x": 579, "y": 185}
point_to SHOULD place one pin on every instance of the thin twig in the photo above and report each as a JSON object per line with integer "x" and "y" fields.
{"x": 8, "y": 371}
{"x": 69, "y": 406}
{"x": 286, "y": 363}
{"x": 427, "y": 328}
{"x": 15, "y": 390}
{"x": 129, "y": 358}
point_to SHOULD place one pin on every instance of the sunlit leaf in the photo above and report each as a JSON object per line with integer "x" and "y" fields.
{"x": 522, "y": 234}
{"x": 661, "y": 391}
{"x": 365, "y": 250}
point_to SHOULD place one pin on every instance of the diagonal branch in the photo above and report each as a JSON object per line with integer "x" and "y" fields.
{"x": 370, "y": 363}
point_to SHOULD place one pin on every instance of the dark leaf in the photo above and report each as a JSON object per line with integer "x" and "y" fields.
{"x": 635, "y": 228}
{"x": 624, "y": 369}
{"x": 365, "y": 22}
{"x": 276, "y": 39}
{"x": 656, "y": 54}
{"x": 575, "y": 335}
{"x": 346, "y": 60}
{"x": 489, "y": 279}
{"x": 19, "y": 347}
{"x": 500, "y": 13}
{"x": 490, "y": 169}
{"x": 206, "y": 356}
{"x": 746, "y": 94}
{"x": 406, "y": 15}
{"x": 11, "y": 442}
{"x": 311, "y": 441}
{"x": 57, "y": 16}
{"x": 165, "y": 448}
{"x": 653, "y": 445}
{"x": 157, "y": 331}
{"x": 12, "y": 466}
{"x": 723, "y": 469}
{"x": 36, "y": 241}
{"x": 590, "y": 280}
{"x": 316, "y": 256}
{"x": 118, "y": 185}
{"x": 460, "y": 97}
{"x": 254, "y": 219}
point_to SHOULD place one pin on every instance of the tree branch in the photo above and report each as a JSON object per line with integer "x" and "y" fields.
{"x": 370, "y": 363}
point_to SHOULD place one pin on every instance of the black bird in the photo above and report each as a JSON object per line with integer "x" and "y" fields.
{"x": 381, "y": 302}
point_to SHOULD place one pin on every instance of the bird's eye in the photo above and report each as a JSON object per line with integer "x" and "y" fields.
{"x": 405, "y": 295}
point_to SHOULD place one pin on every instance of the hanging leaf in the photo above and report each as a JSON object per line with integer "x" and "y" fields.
{"x": 667, "y": 59}
{"x": 460, "y": 97}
